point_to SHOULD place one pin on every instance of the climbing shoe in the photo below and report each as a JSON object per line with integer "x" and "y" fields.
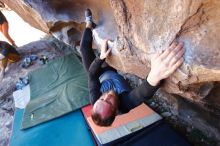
{"x": 88, "y": 15}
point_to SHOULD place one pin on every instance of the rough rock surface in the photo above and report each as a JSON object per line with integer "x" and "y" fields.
{"x": 147, "y": 26}
{"x": 6, "y": 115}
{"x": 140, "y": 28}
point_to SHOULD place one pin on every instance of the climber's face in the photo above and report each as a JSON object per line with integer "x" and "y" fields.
{"x": 106, "y": 105}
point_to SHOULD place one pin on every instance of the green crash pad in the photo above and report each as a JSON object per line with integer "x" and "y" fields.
{"x": 68, "y": 130}
{"x": 58, "y": 88}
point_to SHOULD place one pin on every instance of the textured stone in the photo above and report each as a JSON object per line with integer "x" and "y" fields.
{"x": 144, "y": 27}
{"x": 65, "y": 19}
{"x": 140, "y": 28}
{"x": 166, "y": 114}
{"x": 149, "y": 26}
{"x": 6, "y": 119}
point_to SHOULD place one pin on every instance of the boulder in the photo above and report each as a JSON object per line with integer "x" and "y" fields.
{"x": 145, "y": 27}
{"x": 141, "y": 28}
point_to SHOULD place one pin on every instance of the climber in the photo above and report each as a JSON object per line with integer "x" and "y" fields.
{"x": 4, "y": 29}
{"x": 109, "y": 92}
{"x": 7, "y": 54}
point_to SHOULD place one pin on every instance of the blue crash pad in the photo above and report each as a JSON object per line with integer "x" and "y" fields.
{"x": 68, "y": 130}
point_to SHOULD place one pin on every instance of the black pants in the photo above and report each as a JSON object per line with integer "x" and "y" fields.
{"x": 87, "y": 52}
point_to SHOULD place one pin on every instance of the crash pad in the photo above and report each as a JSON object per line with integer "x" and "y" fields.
{"x": 56, "y": 89}
{"x": 124, "y": 125}
{"x": 68, "y": 130}
{"x": 140, "y": 126}
{"x": 156, "y": 135}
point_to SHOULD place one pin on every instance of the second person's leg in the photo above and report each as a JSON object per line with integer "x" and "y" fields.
{"x": 6, "y": 34}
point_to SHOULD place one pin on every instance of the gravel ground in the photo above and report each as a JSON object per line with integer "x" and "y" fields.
{"x": 6, "y": 119}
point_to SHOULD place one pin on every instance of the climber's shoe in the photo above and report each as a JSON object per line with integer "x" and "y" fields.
{"x": 88, "y": 15}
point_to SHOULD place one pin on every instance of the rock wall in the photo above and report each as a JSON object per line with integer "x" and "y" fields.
{"x": 140, "y": 28}
{"x": 148, "y": 26}
{"x": 65, "y": 19}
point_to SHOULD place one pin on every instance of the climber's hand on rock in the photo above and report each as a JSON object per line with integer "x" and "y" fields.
{"x": 165, "y": 63}
{"x": 105, "y": 51}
